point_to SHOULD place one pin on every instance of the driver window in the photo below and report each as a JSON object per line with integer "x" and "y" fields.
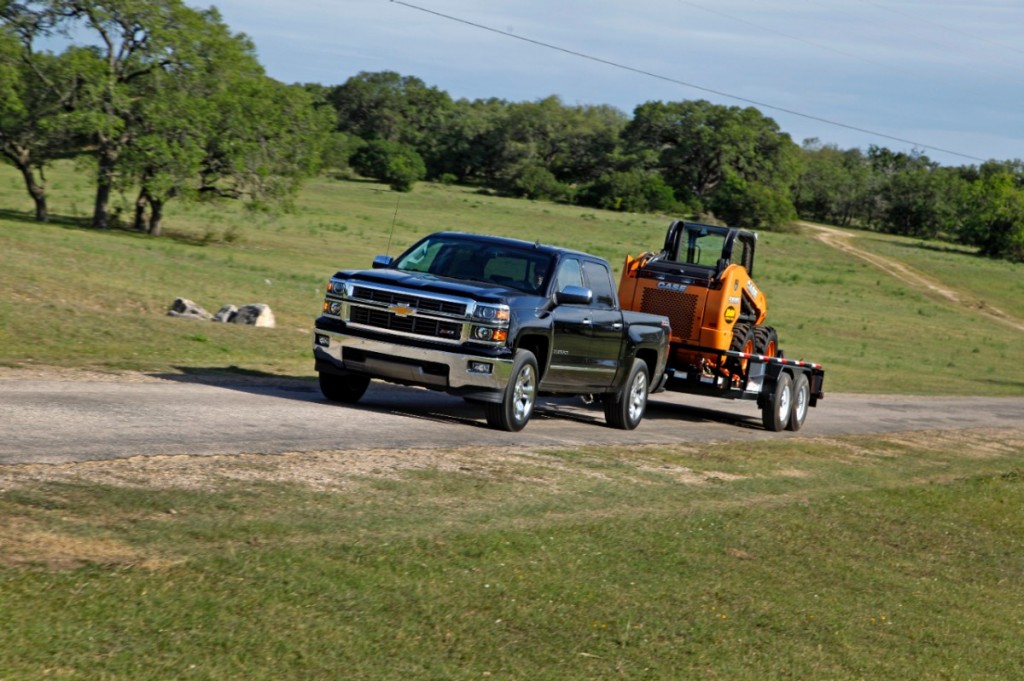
{"x": 569, "y": 274}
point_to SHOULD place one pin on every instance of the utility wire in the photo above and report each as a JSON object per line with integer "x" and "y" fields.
{"x": 676, "y": 81}
{"x": 959, "y": 32}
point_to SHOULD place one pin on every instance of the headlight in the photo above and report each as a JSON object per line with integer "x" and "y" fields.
{"x": 497, "y": 313}
{"x": 338, "y": 288}
{"x": 488, "y": 334}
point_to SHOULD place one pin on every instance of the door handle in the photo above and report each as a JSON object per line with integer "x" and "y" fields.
{"x": 617, "y": 325}
{"x": 586, "y": 321}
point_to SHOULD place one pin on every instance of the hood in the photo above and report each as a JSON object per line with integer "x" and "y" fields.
{"x": 430, "y": 283}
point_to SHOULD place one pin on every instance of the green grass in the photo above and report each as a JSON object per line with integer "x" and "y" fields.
{"x": 76, "y": 297}
{"x": 842, "y": 559}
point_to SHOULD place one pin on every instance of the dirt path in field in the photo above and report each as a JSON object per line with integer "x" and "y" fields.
{"x": 843, "y": 241}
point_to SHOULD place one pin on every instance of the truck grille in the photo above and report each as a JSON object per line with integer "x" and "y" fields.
{"x": 415, "y": 302}
{"x": 680, "y": 308}
{"x": 420, "y": 326}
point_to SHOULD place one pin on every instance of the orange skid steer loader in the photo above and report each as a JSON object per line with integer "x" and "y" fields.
{"x": 702, "y": 281}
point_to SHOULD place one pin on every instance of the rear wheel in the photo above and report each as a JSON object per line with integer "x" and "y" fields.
{"x": 625, "y": 409}
{"x": 801, "y": 402}
{"x": 346, "y": 388}
{"x": 519, "y": 396}
{"x": 778, "y": 405}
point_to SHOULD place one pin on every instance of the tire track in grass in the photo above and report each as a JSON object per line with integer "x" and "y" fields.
{"x": 843, "y": 241}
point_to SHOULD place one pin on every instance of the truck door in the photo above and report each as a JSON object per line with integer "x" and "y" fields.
{"x": 571, "y": 334}
{"x": 606, "y": 326}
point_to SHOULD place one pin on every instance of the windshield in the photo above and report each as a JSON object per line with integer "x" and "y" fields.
{"x": 458, "y": 258}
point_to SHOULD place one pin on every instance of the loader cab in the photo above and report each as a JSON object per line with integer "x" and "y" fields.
{"x": 704, "y": 251}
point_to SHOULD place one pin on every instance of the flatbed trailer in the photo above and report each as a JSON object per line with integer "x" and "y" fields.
{"x": 783, "y": 388}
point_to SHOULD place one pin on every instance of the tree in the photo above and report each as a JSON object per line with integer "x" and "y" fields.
{"x": 993, "y": 214}
{"x": 392, "y": 107}
{"x": 395, "y": 163}
{"x": 696, "y": 146}
{"x": 834, "y": 185}
{"x": 36, "y": 92}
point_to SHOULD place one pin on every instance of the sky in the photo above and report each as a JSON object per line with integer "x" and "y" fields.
{"x": 942, "y": 77}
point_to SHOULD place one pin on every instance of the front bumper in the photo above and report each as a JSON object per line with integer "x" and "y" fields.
{"x": 338, "y": 352}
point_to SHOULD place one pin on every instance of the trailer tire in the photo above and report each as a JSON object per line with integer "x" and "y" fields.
{"x": 801, "y": 402}
{"x": 346, "y": 388}
{"x": 778, "y": 404}
{"x": 625, "y": 409}
{"x": 519, "y": 396}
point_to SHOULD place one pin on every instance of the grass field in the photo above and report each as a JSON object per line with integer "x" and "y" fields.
{"x": 889, "y": 557}
{"x": 76, "y": 297}
{"x": 892, "y": 557}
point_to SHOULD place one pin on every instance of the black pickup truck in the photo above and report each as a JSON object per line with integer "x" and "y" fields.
{"x": 496, "y": 321}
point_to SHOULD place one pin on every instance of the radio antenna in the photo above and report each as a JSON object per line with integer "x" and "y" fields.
{"x": 393, "y": 221}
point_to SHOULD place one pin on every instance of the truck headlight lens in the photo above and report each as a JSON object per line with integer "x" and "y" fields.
{"x": 486, "y": 333}
{"x": 338, "y": 288}
{"x": 497, "y": 313}
{"x": 335, "y": 308}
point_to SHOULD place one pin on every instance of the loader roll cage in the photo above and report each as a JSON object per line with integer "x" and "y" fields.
{"x": 708, "y": 247}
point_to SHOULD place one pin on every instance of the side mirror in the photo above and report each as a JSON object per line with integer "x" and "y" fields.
{"x": 382, "y": 261}
{"x": 574, "y": 295}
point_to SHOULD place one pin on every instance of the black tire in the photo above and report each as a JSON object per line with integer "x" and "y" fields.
{"x": 625, "y": 409}
{"x": 766, "y": 341}
{"x": 519, "y": 396}
{"x": 742, "y": 341}
{"x": 348, "y": 388}
{"x": 778, "y": 405}
{"x": 801, "y": 402}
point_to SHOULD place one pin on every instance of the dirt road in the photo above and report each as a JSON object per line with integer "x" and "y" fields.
{"x": 59, "y": 420}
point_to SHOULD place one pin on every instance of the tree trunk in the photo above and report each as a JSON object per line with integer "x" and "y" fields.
{"x": 37, "y": 191}
{"x": 156, "y": 216}
{"x": 104, "y": 187}
{"x": 22, "y": 159}
{"x": 140, "y": 212}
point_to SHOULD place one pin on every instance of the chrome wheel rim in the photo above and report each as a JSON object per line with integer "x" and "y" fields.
{"x": 523, "y": 394}
{"x": 800, "y": 408}
{"x": 638, "y": 397}
{"x": 784, "y": 402}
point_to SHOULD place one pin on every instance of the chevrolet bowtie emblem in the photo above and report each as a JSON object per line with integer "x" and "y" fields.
{"x": 401, "y": 311}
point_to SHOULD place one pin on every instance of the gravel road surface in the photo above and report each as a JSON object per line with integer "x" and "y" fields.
{"x": 61, "y": 420}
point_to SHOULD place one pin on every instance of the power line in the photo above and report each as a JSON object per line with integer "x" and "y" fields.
{"x": 959, "y": 32}
{"x": 676, "y": 81}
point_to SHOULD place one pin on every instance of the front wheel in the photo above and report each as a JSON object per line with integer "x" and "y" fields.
{"x": 626, "y": 409}
{"x": 346, "y": 388}
{"x": 778, "y": 406}
{"x": 519, "y": 396}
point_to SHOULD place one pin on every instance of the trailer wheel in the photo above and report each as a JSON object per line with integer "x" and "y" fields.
{"x": 801, "y": 402}
{"x": 778, "y": 405}
{"x": 519, "y": 395}
{"x": 348, "y": 388}
{"x": 625, "y": 409}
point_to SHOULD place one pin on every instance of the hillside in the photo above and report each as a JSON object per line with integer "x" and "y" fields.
{"x": 75, "y": 297}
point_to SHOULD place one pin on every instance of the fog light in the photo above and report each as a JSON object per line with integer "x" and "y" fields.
{"x": 323, "y": 340}
{"x": 480, "y": 367}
